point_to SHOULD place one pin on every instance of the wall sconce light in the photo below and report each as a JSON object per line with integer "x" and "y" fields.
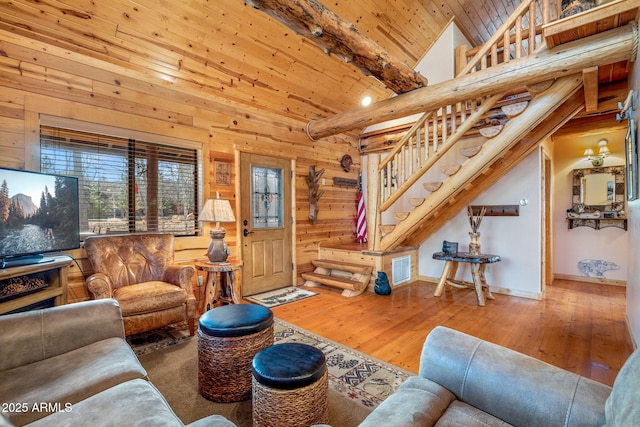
{"x": 603, "y": 151}
{"x": 217, "y": 210}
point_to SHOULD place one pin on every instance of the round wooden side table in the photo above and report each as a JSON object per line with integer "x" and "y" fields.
{"x": 223, "y": 291}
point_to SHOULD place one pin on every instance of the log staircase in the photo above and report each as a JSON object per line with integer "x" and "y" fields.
{"x": 452, "y": 148}
{"x": 461, "y": 147}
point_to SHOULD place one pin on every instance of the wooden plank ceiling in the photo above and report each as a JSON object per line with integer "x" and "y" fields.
{"x": 224, "y": 47}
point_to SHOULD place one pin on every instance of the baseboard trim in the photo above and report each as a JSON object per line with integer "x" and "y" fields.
{"x": 502, "y": 291}
{"x": 597, "y": 280}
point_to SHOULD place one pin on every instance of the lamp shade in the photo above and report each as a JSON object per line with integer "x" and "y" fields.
{"x": 217, "y": 210}
{"x": 588, "y": 152}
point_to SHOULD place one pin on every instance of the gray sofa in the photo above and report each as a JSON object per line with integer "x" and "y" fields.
{"x": 465, "y": 381}
{"x": 70, "y": 365}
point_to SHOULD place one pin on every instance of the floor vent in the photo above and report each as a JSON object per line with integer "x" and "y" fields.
{"x": 401, "y": 269}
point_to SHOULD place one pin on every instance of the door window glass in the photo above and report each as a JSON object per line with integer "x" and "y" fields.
{"x": 266, "y": 202}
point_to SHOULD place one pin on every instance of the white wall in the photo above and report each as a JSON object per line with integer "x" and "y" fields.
{"x": 571, "y": 246}
{"x": 517, "y": 239}
{"x": 437, "y": 65}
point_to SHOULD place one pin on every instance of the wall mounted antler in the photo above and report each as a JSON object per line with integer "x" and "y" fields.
{"x": 314, "y": 193}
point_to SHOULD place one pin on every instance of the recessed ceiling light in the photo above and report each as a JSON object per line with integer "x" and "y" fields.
{"x": 366, "y": 101}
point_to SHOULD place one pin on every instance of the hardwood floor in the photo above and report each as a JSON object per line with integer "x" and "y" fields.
{"x": 579, "y": 327}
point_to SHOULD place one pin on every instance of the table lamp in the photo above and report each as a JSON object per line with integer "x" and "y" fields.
{"x": 217, "y": 210}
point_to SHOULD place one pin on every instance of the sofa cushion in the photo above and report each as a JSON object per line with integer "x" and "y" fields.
{"x": 149, "y": 297}
{"x": 623, "y": 405}
{"x": 132, "y": 403}
{"x": 68, "y": 378}
{"x": 462, "y": 414}
{"x": 509, "y": 385}
{"x": 417, "y": 402}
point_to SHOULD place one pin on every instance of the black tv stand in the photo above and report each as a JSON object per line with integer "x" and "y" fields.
{"x": 24, "y": 260}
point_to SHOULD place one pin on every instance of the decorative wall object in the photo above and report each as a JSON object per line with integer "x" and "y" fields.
{"x": 346, "y": 161}
{"x": 595, "y": 267}
{"x": 345, "y": 182}
{"x": 632, "y": 160}
{"x": 631, "y": 149}
{"x": 497, "y": 210}
{"x": 314, "y": 193}
{"x": 222, "y": 172}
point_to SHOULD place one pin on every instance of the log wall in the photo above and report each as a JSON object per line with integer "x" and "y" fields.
{"x": 212, "y": 81}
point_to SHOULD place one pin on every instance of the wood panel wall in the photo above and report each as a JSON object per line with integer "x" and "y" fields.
{"x": 200, "y": 72}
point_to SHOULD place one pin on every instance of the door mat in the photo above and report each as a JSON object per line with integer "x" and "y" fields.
{"x": 280, "y": 296}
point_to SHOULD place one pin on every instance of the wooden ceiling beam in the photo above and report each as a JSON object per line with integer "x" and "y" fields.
{"x": 605, "y": 48}
{"x": 334, "y": 35}
{"x": 590, "y": 79}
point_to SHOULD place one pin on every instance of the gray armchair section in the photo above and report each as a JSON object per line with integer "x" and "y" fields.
{"x": 70, "y": 365}
{"x": 465, "y": 381}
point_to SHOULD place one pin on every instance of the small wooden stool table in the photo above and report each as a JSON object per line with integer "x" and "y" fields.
{"x": 478, "y": 264}
{"x": 226, "y": 291}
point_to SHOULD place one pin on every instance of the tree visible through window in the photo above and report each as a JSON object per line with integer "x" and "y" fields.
{"x": 125, "y": 185}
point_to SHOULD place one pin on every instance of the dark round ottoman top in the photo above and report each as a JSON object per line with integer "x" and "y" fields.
{"x": 288, "y": 365}
{"x": 235, "y": 320}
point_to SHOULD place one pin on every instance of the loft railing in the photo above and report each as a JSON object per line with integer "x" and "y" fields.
{"x": 519, "y": 36}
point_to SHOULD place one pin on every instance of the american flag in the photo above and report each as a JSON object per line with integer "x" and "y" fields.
{"x": 361, "y": 221}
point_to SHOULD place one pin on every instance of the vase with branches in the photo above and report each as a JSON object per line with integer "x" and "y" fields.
{"x": 474, "y": 234}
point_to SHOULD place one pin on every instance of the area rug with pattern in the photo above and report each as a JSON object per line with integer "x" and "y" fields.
{"x": 353, "y": 374}
{"x": 146, "y": 342}
{"x": 281, "y": 296}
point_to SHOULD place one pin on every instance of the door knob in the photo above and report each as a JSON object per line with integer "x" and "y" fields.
{"x": 246, "y": 232}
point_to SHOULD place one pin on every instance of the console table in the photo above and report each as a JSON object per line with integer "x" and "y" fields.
{"x": 478, "y": 264}
{"x": 53, "y": 271}
{"x": 225, "y": 291}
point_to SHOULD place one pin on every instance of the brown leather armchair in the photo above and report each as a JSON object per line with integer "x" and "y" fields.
{"x": 138, "y": 271}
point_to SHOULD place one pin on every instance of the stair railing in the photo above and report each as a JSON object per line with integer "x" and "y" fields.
{"x": 438, "y": 130}
{"x": 425, "y": 143}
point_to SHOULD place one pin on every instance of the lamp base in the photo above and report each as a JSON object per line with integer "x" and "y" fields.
{"x": 218, "y": 251}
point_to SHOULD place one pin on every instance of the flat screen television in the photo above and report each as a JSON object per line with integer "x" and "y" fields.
{"x": 39, "y": 214}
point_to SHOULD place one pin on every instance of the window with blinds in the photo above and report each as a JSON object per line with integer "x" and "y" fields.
{"x": 125, "y": 185}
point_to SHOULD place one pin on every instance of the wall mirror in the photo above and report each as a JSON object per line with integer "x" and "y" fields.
{"x": 600, "y": 189}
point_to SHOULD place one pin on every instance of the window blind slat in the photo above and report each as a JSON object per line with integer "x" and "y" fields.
{"x": 125, "y": 185}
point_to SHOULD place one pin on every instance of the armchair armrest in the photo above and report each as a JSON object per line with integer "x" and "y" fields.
{"x": 40, "y": 334}
{"x": 100, "y": 286}
{"x": 509, "y": 385}
{"x": 180, "y": 275}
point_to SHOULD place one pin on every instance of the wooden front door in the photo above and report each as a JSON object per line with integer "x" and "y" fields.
{"x": 265, "y": 192}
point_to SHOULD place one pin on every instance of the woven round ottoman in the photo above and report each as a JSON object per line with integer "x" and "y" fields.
{"x": 228, "y": 338}
{"x": 290, "y": 385}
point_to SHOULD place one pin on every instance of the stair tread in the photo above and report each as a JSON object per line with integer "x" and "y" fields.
{"x": 340, "y": 282}
{"x": 341, "y": 265}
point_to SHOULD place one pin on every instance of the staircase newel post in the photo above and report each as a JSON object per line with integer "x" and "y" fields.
{"x": 373, "y": 201}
